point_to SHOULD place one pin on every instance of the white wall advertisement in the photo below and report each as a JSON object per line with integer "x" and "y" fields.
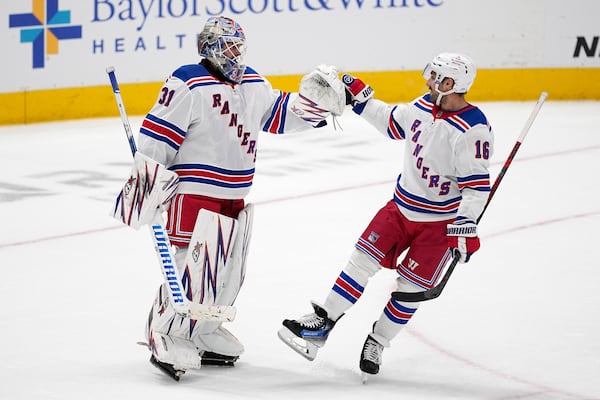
{"x": 69, "y": 43}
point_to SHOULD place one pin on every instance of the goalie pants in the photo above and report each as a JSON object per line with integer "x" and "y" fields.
{"x": 184, "y": 211}
{"x": 386, "y": 237}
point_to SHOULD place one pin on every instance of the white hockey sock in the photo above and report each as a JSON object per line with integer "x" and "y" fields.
{"x": 395, "y": 315}
{"x": 350, "y": 284}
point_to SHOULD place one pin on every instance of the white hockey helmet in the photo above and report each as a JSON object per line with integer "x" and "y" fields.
{"x": 223, "y": 43}
{"x": 452, "y": 65}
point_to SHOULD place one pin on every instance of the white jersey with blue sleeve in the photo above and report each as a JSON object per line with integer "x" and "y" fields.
{"x": 446, "y": 158}
{"x": 207, "y": 130}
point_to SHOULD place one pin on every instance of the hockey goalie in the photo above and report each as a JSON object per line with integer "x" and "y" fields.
{"x": 195, "y": 163}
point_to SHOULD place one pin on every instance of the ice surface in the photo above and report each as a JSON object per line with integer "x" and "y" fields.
{"x": 520, "y": 321}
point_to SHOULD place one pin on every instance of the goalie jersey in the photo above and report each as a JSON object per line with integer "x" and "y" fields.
{"x": 446, "y": 158}
{"x": 207, "y": 130}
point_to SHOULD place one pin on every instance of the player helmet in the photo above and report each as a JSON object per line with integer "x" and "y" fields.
{"x": 223, "y": 43}
{"x": 451, "y": 65}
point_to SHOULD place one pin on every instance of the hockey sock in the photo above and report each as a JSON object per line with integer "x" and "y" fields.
{"x": 396, "y": 314}
{"x": 350, "y": 284}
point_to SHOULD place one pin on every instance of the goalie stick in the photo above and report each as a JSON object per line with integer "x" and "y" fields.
{"x": 435, "y": 291}
{"x": 181, "y": 304}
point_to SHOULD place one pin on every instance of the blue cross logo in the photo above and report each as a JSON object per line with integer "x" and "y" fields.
{"x": 43, "y": 28}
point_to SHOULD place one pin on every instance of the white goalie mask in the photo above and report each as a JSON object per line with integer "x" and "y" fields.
{"x": 451, "y": 65}
{"x": 223, "y": 43}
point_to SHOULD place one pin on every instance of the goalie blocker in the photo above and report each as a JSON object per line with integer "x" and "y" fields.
{"x": 148, "y": 191}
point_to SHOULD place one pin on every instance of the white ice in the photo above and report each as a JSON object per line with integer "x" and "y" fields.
{"x": 520, "y": 321}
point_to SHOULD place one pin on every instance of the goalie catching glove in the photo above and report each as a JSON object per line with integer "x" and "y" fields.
{"x": 148, "y": 191}
{"x": 321, "y": 94}
{"x": 462, "y": 239}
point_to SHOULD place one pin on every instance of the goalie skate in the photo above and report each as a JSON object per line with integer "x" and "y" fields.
{"x": 167, "y": 369}
{"x": 210, "y": 358}
{"x": 306, "y": 348}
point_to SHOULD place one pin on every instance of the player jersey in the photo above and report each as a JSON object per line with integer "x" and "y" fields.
{"x": 207, "y": 130}
{"x": 446, "y": 158}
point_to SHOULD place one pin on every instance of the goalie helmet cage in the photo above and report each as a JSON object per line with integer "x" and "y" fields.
{"x": 434, "y": 292}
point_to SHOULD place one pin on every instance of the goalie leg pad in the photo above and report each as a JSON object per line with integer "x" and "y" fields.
{"x": 220, "y": 341}
{"x": 218, "y": 249}
{"x": 215, "y": 262}
{"x": 242, "y": 243}
{"x": 212, "y": 270}
{"x": 210, "y": 274}
{"x": 166, "y": 332}
{"x": 181, "y": 353}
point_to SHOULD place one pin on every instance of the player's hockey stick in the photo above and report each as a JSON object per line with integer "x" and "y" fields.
{"x": 180, "y": 302}
{"x": 437, "y": 290}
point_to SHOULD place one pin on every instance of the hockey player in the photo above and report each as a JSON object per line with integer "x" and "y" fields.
{"x": 203, "y": 129}
{"x": 437, "y": 200}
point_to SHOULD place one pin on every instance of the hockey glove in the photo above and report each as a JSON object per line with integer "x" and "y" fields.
{"x": 148, "y": 191}
{"x": 321, "y": 94}
{"x": 357, "y": 92}
{"x": 462, "y": 239}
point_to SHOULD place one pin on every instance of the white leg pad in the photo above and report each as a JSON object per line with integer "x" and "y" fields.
{"x": 179, "y": 352}
{"x": 215, "y": 263}
{"x": 208, "y": 267}
{"x": 220, "y": 341}
{"x": 241, "y": 245}
{"x": 212, "y": 270}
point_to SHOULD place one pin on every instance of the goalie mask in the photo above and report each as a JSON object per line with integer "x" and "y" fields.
{"x": 223, "y": 43}
{"x": 451, "y": 65}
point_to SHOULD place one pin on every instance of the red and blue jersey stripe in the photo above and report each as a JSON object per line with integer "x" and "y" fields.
{"x": 394, "y": 129}
{"x": 276, "y": 121}
{"x": 211, "y": 175}
{"x": 420, "y": 204}
{"x": 163, "y": 131}
{"x": 475, "y": 182}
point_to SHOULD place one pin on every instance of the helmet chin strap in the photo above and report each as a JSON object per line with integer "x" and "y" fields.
{"x": 438, "y": 101}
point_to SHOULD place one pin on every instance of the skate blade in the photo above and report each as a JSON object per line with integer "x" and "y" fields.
{"x": 167, "y": 369}
{"x": 364, "y": 377}
{"x": 303, "y": 347}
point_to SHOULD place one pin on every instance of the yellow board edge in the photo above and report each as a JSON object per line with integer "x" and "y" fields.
{"x": 390, "y": 86}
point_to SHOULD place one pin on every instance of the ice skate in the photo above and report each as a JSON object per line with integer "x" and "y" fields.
{"x": 209, "y": 358}
{"x": 307, "y": 334}
{"x": 172, "y": 355}
{"x": 370, "y": 357}
{"x": 166, "y": 368}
